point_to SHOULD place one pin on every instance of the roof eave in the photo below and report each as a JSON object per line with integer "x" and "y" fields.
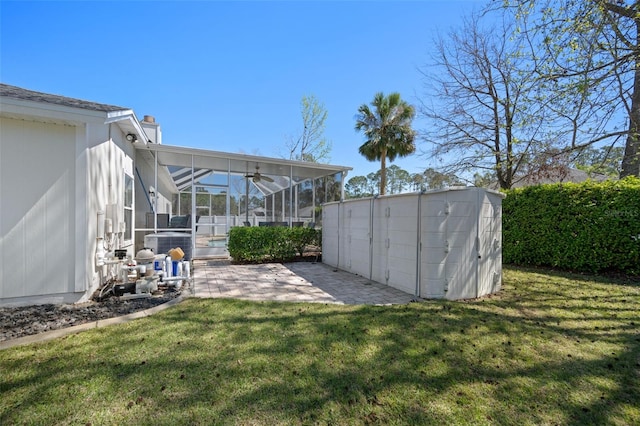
{"x": 129, "y": 124}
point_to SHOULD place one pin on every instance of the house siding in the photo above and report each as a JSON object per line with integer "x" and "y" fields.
{"x": 55, "y": 176}
{"x": 37, "y": 214}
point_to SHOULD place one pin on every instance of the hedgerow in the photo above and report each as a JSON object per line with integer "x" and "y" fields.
{"x": 276, "y": 244}
{"x": 589, "y": 227}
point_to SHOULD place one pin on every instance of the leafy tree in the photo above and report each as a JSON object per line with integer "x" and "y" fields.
{"x": 483, "y": 180}
{"x": 311, "y": 145}
{"x": 434, "y": 179}
{"x": 388, "y": 132}
{"x": 605, "y": 160}
{"x": 418, "y": 182}
{"x": 588, "y": 53}
{"x": 358, "y": 187}
{"x": 397, "y": 179}
{"x": 373, "y": 180}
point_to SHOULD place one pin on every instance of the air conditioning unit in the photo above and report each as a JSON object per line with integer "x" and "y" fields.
{"x": 162, "y": 242}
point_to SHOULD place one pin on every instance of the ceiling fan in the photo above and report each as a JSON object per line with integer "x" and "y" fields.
{"x": 257, "y": 177}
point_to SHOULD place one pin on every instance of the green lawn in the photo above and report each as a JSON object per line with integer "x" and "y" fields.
{"x": 549, "y": 349}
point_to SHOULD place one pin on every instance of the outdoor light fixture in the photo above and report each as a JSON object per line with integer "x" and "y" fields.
{"x": 131, "y": 137}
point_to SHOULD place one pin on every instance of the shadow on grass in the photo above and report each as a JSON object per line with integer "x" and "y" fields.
{"x": 547, "y": 350}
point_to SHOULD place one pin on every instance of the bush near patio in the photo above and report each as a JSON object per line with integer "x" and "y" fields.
{"x": 273, "y": 244}
{"x": 587, "y": 227}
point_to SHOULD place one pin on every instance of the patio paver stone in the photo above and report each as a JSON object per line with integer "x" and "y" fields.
{"x": 293, "y": 282}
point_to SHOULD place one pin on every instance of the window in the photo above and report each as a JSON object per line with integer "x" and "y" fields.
{"x": 128, "y": 207}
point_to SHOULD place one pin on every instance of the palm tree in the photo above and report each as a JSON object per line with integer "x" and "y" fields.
{"x": 387, "y": 129}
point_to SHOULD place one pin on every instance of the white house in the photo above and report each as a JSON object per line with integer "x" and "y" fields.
{"x": 72, "y": 171}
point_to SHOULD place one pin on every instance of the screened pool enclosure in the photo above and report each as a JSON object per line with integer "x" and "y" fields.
{"x": 194, "y": 196}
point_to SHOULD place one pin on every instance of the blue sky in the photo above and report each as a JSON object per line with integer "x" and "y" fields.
{"x": 229, "y": 76}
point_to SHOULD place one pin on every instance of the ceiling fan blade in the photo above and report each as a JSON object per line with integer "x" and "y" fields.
{"x": 257, "y": 177}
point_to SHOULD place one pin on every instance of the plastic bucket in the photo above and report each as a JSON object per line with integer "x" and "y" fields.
{"x": 176, "y": 253}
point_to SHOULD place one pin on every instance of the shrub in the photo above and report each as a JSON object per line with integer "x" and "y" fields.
{"x": 302, "y": 237}
{"x": 277, "y": 244}
{"x": 589, "y": 227}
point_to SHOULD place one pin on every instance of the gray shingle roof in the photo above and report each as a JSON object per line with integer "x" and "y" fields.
{"x": 29, "y": 95}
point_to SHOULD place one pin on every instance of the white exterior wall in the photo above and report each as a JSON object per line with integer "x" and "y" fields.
{"x": 58, "y": 167}
{"x": 37, "y": 215}
{"x": 109, "y": 158}
{"x": 440, "y": 244}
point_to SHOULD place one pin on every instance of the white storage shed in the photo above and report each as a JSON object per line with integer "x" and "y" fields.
{"x": 437, "y": 244}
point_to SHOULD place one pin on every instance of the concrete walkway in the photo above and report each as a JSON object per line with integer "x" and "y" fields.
{"x": 293, "y": 282}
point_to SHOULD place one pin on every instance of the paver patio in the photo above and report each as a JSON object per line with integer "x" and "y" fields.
{"x": 294, "y": 282}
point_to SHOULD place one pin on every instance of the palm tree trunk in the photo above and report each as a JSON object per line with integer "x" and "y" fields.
{"x": 383, "y": 172}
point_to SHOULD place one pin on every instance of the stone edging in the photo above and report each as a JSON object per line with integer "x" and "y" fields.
{"x": 53, "y": 334}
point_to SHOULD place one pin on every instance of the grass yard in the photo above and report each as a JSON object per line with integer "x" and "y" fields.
{"x": 549, "y": 349}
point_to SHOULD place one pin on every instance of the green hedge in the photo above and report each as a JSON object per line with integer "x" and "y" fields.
{"x": 588, "y": 227}
{"x": 274, "y": 244}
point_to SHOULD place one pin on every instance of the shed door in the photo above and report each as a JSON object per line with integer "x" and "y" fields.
{"x": 490, "y": 242}
{"x": 461, "y": 260}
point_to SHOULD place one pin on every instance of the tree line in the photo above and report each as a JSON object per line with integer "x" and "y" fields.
{"x": 602, "y": 163}
{"x": 398, "y": 181}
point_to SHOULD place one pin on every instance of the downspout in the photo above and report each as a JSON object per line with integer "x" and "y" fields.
{"x": 419, "y": 245}
{"x": 146, "y": 193}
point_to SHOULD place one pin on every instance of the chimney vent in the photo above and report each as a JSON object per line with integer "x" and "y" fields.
{"x": 149, "y": 119}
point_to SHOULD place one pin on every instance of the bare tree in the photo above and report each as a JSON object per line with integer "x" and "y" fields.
{"x": 310, "y": 145}
{"x": 484, "y": 103}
